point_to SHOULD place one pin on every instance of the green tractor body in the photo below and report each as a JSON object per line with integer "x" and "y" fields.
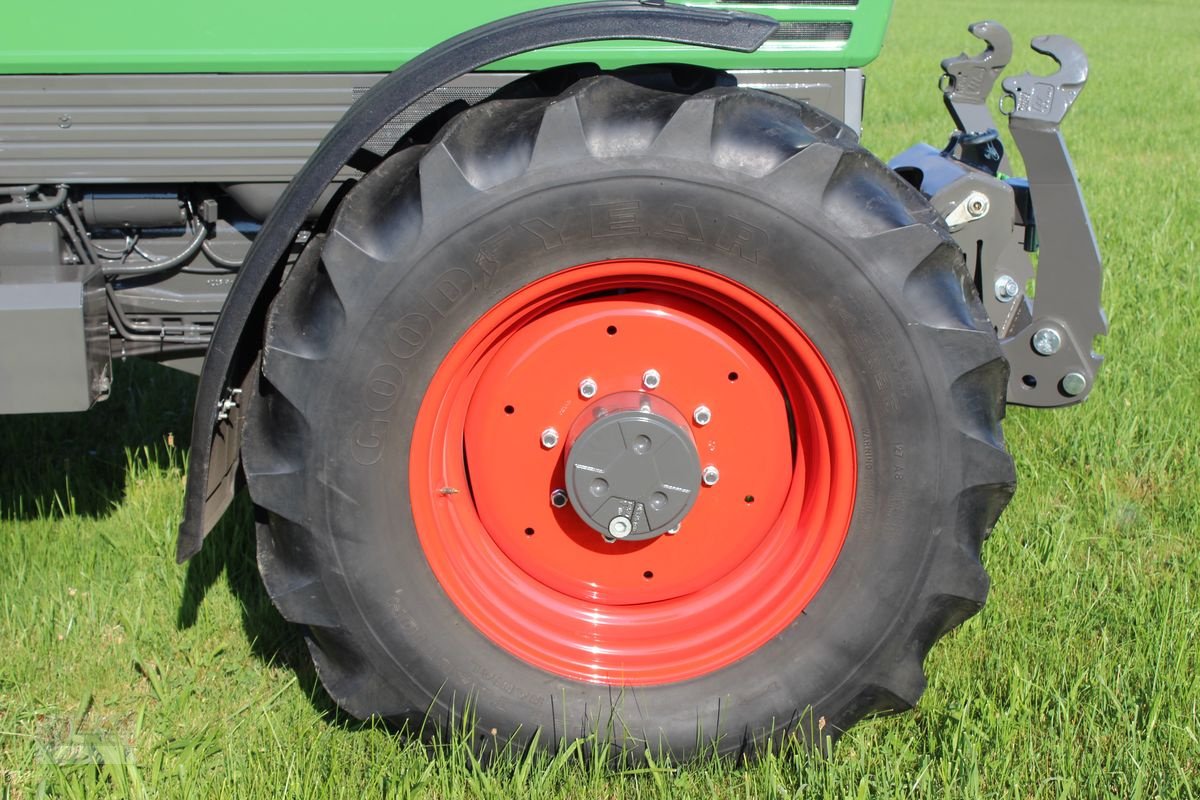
{"x": 273, "y": 36}
{"x": 580, "y": 363}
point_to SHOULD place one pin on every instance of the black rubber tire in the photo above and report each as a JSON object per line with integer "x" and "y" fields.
{"x": 847, "y": 249}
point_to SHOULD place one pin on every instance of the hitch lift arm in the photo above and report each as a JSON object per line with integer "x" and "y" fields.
{"x": 999, "y": 221}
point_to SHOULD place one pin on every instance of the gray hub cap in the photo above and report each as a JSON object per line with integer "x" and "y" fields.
{"x": 634, "y": 465}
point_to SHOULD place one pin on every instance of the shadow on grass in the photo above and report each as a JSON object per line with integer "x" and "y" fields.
{"x": 76, "y": 463}
{"x": 230, "y": 550}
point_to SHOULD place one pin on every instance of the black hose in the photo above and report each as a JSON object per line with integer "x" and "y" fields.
{"x": 159, "y": 264}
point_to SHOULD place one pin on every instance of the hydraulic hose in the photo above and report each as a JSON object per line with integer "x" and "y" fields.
{"x": 25, "y": 204}
{"x": 159, "y": 264}
{"x": 220, "y": 261}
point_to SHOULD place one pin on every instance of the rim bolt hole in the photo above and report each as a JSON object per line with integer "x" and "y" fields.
{"x": 647, "y": 574}
{"x": 529, "y": 531}
{"x": 749, "y": 498}
{"x": 733, "y": 376}
{"x": 510, "y": 410}
{"x": 612, "y": 330}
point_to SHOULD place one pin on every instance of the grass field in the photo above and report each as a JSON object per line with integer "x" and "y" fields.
{"x": 123, "y": 674}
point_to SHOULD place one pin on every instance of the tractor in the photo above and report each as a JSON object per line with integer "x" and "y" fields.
{"x": 584, "y": 371}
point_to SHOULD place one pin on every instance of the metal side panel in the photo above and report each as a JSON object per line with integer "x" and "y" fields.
{"x": 53, "y": 346}
{"x": 142, "y": 128}
{"x": 242, "y": 128}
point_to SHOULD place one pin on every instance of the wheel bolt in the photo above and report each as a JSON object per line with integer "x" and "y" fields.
{"x": 558, "y": 498}
{"x": 1047, "y": 341}
{"x": 620, "y": 527}
{"x": 1073, "y": 384}
{"x": 549, "y": 438}
{"x": 587, "y": 388}
{"x": 651, "y": 379}
{"x": 710, "y": 476}
{"x": 1007, "y": 288}
{"x": 702, "y": 415}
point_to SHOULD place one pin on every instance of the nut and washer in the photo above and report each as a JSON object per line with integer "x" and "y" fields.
{"x": 702, "y": 415}
{"x": 710, "y": 476}
{"x": 559, "y": 499}
{"x": 1073, "y": 384}
{"x": 549, "y": 438}
{"x": 978, "y": 205}
{"x": 1007, "y": 288}
{"x": 1047, "y": 341}
{"x": 651, "y": 379}
{"x": 587, "y": 388}
{"x": 620, "y": 527}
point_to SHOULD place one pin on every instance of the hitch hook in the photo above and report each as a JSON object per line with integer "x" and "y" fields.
{"x": 967, "y": 80}
{"x": 1047, "y": 98}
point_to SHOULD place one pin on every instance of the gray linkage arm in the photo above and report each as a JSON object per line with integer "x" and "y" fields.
{"x": 968, "y": 80}
{"x": 1066, "y": 308}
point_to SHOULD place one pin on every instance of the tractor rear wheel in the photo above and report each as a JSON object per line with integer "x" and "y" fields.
{"x": 667, "y": 414}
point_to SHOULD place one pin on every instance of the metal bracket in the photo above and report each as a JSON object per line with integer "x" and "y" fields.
{"x": 228, "y": 404}
{"x": 967, "y": 80}
{"x": 1046, "y": 339}
{"x": 1070, "y": 273}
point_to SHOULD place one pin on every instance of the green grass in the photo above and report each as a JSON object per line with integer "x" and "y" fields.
{"x": 123, "y": 674}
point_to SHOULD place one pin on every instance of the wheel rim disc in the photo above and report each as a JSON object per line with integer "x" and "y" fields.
{"x": 540, "y": 583}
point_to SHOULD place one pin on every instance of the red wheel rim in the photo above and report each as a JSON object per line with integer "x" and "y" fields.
{"x": 751, "y": 554}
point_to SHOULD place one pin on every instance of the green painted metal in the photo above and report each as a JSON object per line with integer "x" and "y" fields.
{"x": 152, "y": 36}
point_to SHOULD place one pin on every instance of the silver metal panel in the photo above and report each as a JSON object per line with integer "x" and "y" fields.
{"x": 831, "y": 90}
{"x": 228, "y": 128}
{"x": 143, "y": 128}
{"x": 52, "y": 355}
{"x": 856, "y": 85}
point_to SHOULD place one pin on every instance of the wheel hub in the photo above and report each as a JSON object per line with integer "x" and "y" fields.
{"x": 632, "y": 468}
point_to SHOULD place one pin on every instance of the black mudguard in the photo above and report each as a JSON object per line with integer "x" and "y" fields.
{"x": 237, "y": 340}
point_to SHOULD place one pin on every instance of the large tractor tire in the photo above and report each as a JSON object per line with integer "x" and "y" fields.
{"x": 665, "y": 414}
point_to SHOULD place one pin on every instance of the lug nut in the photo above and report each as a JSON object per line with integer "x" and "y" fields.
{"x": 558, "y": 498}
{"x": 1047, "y": 341}
{"x": 1073, "y": 384}
{"x": 620, "y": 527}
{"x": 710, "y": 476}
{"x": 549, "y": 438}
{"x": 587, "y": 388}
{"x": 1007, "y": 288}
{"x": 651, "y": 379}
{"x": 702, "y": 415}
